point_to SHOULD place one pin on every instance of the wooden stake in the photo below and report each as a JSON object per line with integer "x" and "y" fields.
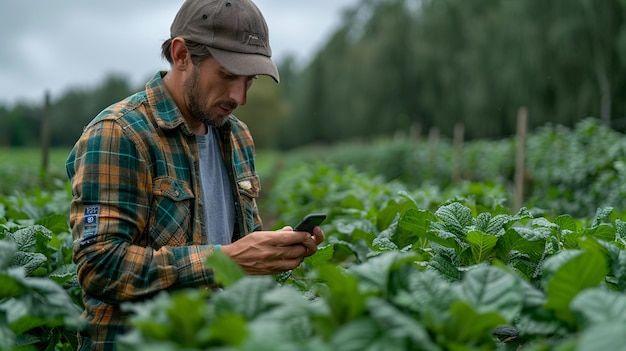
{"x": 522, "y": 122}
{"x": 45, "y": 134}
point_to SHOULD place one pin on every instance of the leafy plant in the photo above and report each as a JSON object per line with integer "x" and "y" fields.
{"x": 39, "y": 293}
{"x": 450, "y": 279}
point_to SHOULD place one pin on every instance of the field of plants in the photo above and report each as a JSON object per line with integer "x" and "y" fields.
{"x": 412, "y": 261}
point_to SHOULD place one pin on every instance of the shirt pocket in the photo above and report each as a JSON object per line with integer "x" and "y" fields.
{"x": 172, "y": 208}
{"x": 249, "y": 188}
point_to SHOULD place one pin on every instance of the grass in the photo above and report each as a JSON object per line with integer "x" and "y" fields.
{"x": 31, "y": 158}
{"x": 21, "y": 170}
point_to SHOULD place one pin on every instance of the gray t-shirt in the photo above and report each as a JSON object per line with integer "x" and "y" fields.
{"x": 219, "y": 208}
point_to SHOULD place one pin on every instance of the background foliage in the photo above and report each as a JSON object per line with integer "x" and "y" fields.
{"x": 442, "y": 266}
{"x": 393, "y": 64}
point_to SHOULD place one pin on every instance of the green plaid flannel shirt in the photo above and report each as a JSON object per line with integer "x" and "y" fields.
{"x": 136, "y": 214}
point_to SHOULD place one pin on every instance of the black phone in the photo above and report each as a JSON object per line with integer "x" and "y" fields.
{"x": 309, "y": 222}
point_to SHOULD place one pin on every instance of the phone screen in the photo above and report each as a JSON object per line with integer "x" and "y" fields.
{"x": 309, "y": 222}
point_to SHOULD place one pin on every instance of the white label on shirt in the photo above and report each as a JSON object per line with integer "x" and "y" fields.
{"x": 90, "y": 221}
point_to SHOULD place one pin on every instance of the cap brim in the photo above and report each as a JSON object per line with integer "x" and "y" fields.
{"x": 245, "y": 64}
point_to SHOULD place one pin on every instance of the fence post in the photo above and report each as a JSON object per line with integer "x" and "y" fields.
{"x": 522, "y": 122}
{"x": 45, "y": 134}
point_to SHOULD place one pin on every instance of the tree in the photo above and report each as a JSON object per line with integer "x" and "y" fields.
{"x": 443, "y": 62}
{"x": 263, "y": 112}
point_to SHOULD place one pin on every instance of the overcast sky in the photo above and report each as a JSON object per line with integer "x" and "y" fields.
{"x": 60, "y": 44}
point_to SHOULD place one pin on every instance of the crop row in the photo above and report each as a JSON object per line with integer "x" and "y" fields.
{"x": 401, "y": 269}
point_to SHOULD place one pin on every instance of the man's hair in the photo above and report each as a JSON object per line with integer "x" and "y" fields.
{"x": 198, "y": 52}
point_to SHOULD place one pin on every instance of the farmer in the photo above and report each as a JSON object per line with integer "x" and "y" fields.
{"x": 165, "y": 177}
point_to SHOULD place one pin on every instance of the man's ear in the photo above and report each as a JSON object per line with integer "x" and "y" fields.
{"x": 180, "y": 54}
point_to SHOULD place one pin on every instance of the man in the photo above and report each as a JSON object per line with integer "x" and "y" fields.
{"x": 165, "y": 177}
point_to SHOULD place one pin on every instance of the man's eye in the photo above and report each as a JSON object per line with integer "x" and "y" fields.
{"x": 228, "y": 76}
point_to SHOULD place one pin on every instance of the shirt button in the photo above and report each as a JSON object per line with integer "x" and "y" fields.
{"x": 177, "y": 193}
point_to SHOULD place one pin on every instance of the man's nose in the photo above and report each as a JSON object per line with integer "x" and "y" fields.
{"x": 239, "y": 90}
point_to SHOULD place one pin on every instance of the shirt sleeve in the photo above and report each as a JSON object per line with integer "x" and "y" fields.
{"x": 111, "y": 183}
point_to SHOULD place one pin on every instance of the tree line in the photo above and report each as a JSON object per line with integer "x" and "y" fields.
{"x": 394, "y": 64}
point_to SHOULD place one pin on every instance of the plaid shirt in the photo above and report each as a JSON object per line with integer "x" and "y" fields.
{"x": 136, "y": 214}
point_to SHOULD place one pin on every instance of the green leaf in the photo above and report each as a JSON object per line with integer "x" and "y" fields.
{"x": 352, "y": 201}
{"x": 24, "y": 238}
{"x": 603, "y": 232}
{"x": 618, "y": 267}
{"x": 490, "y": 289}
{"x": 534, "y": 234}
{"x": 413, "y": 224}
{"x": 12, "y": 283}
{"x": 384, "y": 244}
{"x": 620, "y": 228}
{"x": 342, "y": 293}
{"x": 455, "y": 217}
{"x": 229, "y": 329}
{"x": 569, "y": 273}
{"x": 135, "y": 340}
{"x": 289, "y": 305}
{"x": 64, "y": 272}
{"x": 7, "y": 338}
{"x": 357, "y": 335}
{"x": 466, "y": 326}
{"x": 27, "y": 237}
{"x": 482, "y": 245}
{"x": 245, "y": 297}
{"x": 294, "y": 316}
{"x": 187, "y": 316}
{"x": 268, "y": 335}
{"x": 596, "y": 306}
{"x": 30, "y": 261}
{"x": 523, "y": 213}
{"x": 566, "y": 222}
{"x": 497, "y": 224}
{"x": 603, "y": 336}
{"x": 388, "y": 214}
{"x": 543, "y": 222}
{"x": 398, "y": 324}
{"x": 430, "y": 295}
{"x": 226, "y": 271}
{"x": 602, "y": 214}
{"x": 513, "y": 241}
{"x": 56, "y": 223}
{"x": 444, "y": 262}
{"x": 7, "y": 249}
{"x": 344, "y": 249}
{"x": 375, "y": 273}
{"x": 180, "y": 318}
{"x": 323, "y": 255}
{"x": 482, "y": 221}
{"x": 43, "y": 303}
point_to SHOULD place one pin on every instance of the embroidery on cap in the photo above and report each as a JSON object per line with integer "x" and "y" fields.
{"x": 90, "y": 221}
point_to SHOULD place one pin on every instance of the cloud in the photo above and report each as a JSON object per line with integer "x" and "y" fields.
{"x": 55, "y": 45}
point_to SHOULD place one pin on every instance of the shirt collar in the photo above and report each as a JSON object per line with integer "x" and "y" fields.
{"x": 166, "y": 113}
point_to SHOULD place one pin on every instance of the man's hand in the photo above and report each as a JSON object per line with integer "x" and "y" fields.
{"x": 273, "y": 252}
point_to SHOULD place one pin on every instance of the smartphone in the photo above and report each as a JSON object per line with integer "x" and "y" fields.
{"x": 309, "y": 222}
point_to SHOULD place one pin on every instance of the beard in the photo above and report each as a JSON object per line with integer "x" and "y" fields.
{"x": 194, "y": 95}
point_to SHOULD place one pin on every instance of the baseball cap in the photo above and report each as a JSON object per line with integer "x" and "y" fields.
{"x": 234, "y": 32}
